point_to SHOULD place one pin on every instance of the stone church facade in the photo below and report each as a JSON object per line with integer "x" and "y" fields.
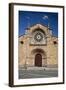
{"x": 38, "y": 47}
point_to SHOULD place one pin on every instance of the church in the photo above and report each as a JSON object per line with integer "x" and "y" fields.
{"x": 38, "y": 47}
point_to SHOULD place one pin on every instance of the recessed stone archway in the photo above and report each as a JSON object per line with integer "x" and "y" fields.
{"x": 39, "y": 57}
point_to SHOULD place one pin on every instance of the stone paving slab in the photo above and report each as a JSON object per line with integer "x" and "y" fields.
{"x": 25, "y": 74}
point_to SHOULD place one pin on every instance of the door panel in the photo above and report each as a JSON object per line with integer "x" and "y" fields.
{"x": 38, "y": 60}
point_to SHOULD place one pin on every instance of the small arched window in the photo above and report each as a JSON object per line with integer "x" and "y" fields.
{"x": 54, "y": 42}
{"x": 21, "y": 42}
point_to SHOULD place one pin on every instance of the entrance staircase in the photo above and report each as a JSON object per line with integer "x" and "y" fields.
{"x": 38, "y": 68}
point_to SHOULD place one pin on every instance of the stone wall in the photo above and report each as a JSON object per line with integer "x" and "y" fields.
{"x": 25, "y": 48}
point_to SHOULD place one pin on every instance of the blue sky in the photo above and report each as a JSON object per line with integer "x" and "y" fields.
{"x": 29, "y": 18}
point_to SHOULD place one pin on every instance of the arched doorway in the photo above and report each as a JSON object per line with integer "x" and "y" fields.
{"x": 38, "y": 60}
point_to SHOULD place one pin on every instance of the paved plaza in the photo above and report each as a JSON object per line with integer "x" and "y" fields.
{"x": 25, "y": 73}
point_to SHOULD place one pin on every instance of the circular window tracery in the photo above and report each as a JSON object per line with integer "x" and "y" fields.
{"x": 38, "y": 36}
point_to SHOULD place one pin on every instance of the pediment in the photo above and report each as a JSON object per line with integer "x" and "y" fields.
{"x": 38, "y": 26}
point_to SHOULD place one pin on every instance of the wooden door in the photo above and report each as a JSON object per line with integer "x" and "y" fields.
{"x": 38, "y": 60}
